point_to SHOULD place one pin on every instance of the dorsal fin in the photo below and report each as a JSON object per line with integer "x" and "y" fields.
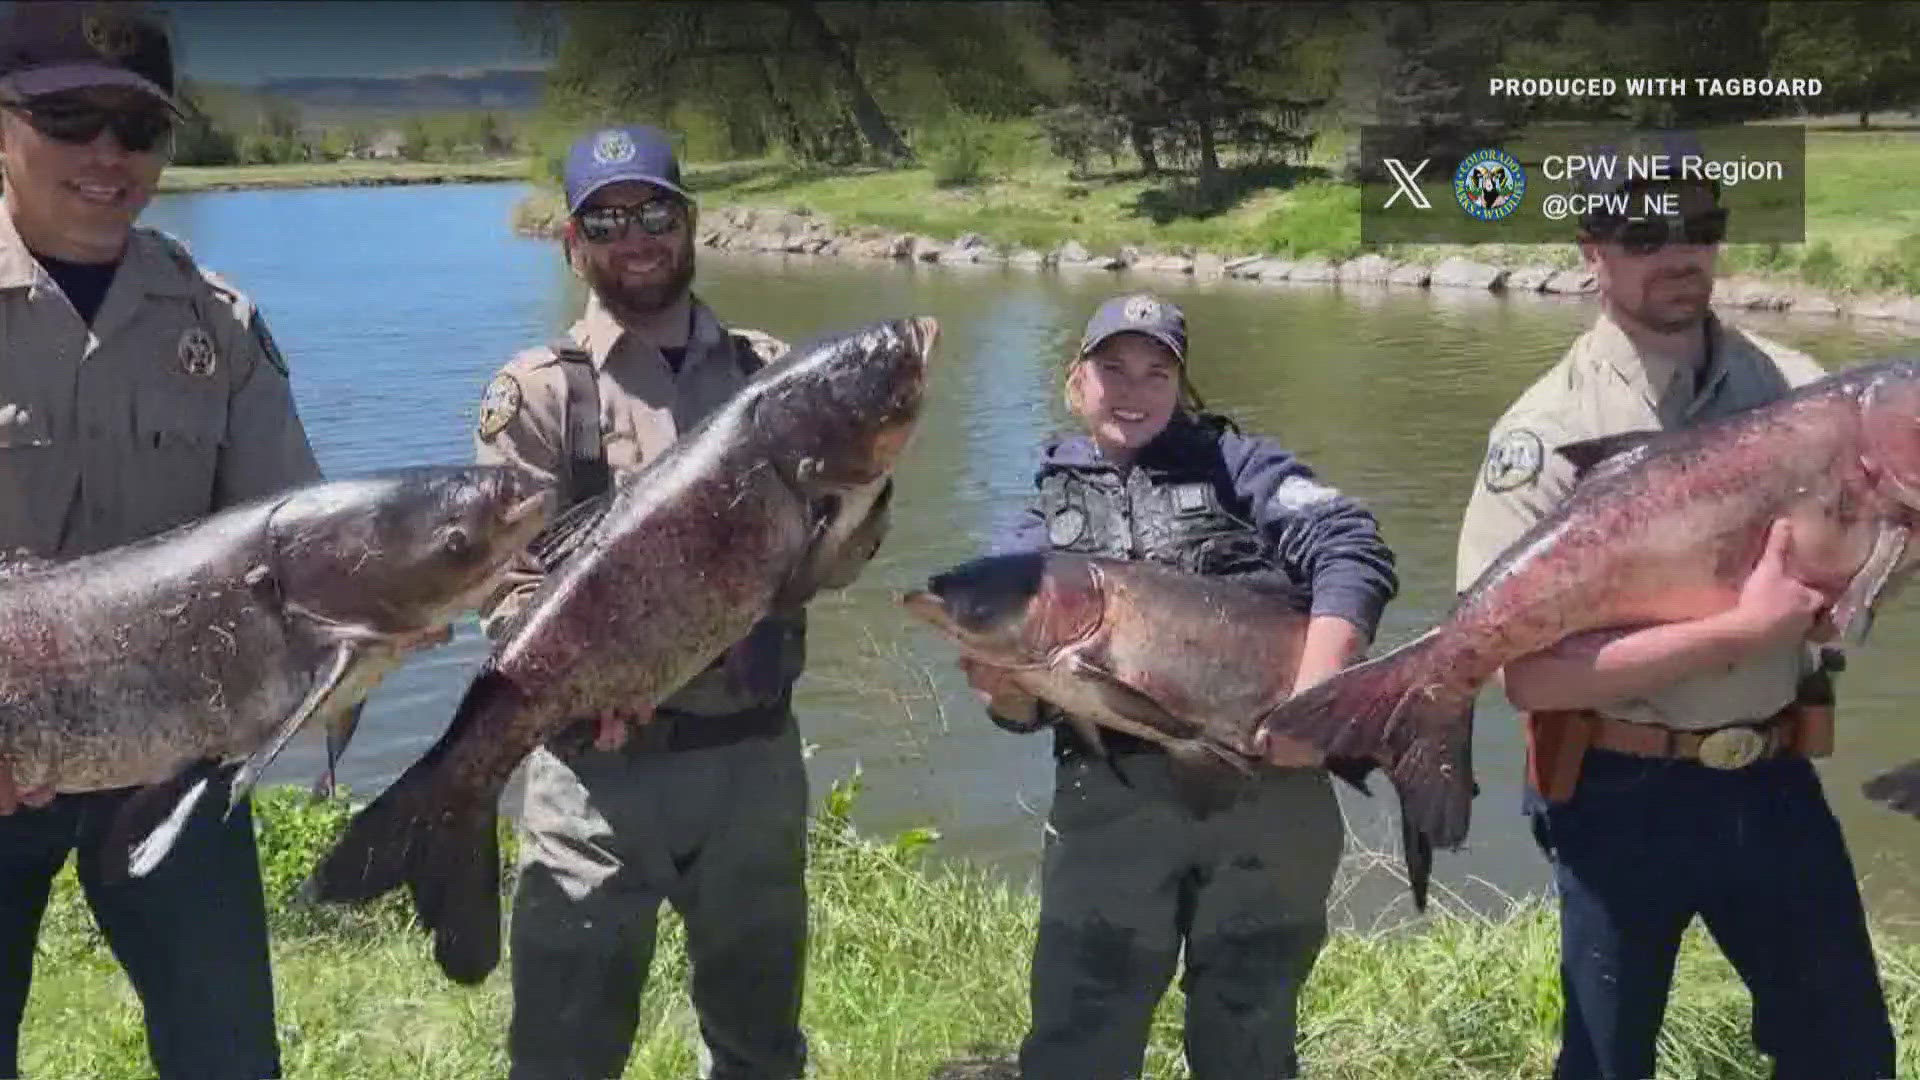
{"x": 564, "y": 534}
{"x": 1589, "y": 454}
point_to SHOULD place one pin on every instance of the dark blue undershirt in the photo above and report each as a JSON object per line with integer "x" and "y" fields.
{"x": 675, "y": 357}
{"x": 84, "y": 283}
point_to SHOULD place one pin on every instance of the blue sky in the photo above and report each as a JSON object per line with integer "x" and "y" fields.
{"x": 251, "y": 41}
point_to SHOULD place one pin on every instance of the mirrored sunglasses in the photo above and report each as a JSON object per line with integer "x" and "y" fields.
{"x": 655, "y": 217}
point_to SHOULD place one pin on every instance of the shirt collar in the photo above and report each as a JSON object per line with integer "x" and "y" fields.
{"x": 600, "y": 333}
{"x": 1654, "y": 377}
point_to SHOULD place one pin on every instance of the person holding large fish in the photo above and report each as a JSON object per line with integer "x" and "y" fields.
{"x": 137, "y": 392}
{"x": 608, "y": 832}
{"x": 1662, "y": 529}
{"x": 1134, "y": 873}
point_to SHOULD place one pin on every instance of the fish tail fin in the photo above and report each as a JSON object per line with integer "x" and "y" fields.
{"x": 1897, "y": 789}
{"x": 439, "y": 841}
{"x": 1411, "y": 713}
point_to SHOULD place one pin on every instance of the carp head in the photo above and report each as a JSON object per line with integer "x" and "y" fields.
{"x": 402, "y": 552}
{"x": 1890, "y": 431}
{"x": 1014, "y": 611}
{"x": 842, "y": 410}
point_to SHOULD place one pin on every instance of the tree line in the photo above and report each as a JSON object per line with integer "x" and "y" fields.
{"x": 222, "y": 129}
{"x": 1181, "y": 83}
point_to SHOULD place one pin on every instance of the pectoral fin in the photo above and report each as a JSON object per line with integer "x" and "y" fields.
{"x": 847, "y": 534}
{"x": 331, "y": 679}
{"x": 1853, "y": 612}
{"x": 1128, "y": 703}
{"x": 1206, "y": 780}
{"x": 567, "y": 532}
{"x": 146, "y": 825}
{"x": 340, "y": 728}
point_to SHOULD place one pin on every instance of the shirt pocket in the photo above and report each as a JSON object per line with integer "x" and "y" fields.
{"x": 178, "y": 421}
{"x": 177, "y": 434}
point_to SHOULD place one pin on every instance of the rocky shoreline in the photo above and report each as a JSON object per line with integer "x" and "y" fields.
{"x": 797, "y": 232}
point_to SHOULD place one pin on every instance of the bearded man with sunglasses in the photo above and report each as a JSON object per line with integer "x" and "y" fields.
{"x": 1646, "y": 830}
{"x": 137, "y": 392}
{"x": 704, "y": 806}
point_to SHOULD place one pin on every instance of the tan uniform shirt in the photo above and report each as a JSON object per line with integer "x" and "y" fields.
{"x": 173, "y": 404}
{"x": 644, "y": 404}
{"x": 1603, "y": 386}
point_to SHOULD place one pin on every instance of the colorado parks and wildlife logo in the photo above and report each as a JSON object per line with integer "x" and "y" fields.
{"x": 1489, "y": 184}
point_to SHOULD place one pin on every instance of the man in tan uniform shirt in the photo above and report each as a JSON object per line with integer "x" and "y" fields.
{"x": 137, "y": 392}
{"x": 705, "y": 806}
{"x": 1648, "y": 837}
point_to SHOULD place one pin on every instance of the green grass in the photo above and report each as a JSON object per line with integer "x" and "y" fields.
{"x": 1860, "y": 205}
{"x": 323, "y": 173}
{"x": 913, "y": 961}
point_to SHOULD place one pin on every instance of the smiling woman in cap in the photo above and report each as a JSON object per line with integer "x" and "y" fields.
{"x": 1132, "y": 878}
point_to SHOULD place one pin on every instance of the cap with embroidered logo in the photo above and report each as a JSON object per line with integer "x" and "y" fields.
{"x": 610, "y": 155}
{"x": 1138, "y": 313}
{"x": 51, "y": 46}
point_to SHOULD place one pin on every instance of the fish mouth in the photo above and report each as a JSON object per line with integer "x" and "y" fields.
{"x": 926, "y": 330}
{"x": 930, "y": 608}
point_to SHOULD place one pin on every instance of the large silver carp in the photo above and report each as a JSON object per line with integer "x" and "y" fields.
{"x": 167, "y": 660}
{"x": 748, "y": 514}
{"x": 1660, "y": 527}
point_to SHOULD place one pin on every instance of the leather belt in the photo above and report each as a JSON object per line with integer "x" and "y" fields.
{"x": 1734, "y": 746}
{"x": 671, "y": 731}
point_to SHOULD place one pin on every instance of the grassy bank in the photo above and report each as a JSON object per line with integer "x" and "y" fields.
{"x": 1862, "y": 220}
{"x": 339, "y": 173}
{"x": 913, "y": 962}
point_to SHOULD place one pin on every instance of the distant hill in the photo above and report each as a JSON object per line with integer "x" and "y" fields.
{"x": 500, "y": 90}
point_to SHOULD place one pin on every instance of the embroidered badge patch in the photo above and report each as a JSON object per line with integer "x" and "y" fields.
{"x": 268, "y": 348}
{"x": 499, "y": 406}
{"x": 1066, "y": 526}
{"x": 197, "y": 356}
{"x": 111, "y": 35}
{"x": 1141, "y": 309}
{"x": 1514, "y": 460}
{"x": 613, "y": 148}
{"x": 1297, "y": 494}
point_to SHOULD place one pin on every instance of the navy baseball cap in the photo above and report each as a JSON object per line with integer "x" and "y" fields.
{"x": 49, "y": 46}
{"x": 1138, "y": 313}
{"x": 610, "y": 155}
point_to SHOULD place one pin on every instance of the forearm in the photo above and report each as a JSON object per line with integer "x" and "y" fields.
{"x": 1331, "y": 644}
{"x": 1591, "y": 670}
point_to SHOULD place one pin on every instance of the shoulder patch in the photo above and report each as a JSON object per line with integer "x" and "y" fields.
{"x": 1298, "y": 493}
{"x": 1514, "y": 459}
{"x": 499, "y": 406}
{"x": 268, "y": 348}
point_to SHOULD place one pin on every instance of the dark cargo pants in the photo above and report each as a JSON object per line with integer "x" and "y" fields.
{"x": 1130, "y": 876}
{"x": 1643, "y": 846}
{"x": 718, "y": 832}
{"x": 192, "y": 935}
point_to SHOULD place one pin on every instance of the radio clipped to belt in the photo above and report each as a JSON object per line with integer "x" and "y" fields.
{"x": 1558, "y": 740}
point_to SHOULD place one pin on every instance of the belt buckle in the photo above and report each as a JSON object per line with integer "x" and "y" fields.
{"x": 1731, "y": 748}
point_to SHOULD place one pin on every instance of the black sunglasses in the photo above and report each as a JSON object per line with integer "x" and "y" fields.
{"x": 655, "y": 217}
{"x": 1644, "y": 236}
{"x": 137, "y": 130}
